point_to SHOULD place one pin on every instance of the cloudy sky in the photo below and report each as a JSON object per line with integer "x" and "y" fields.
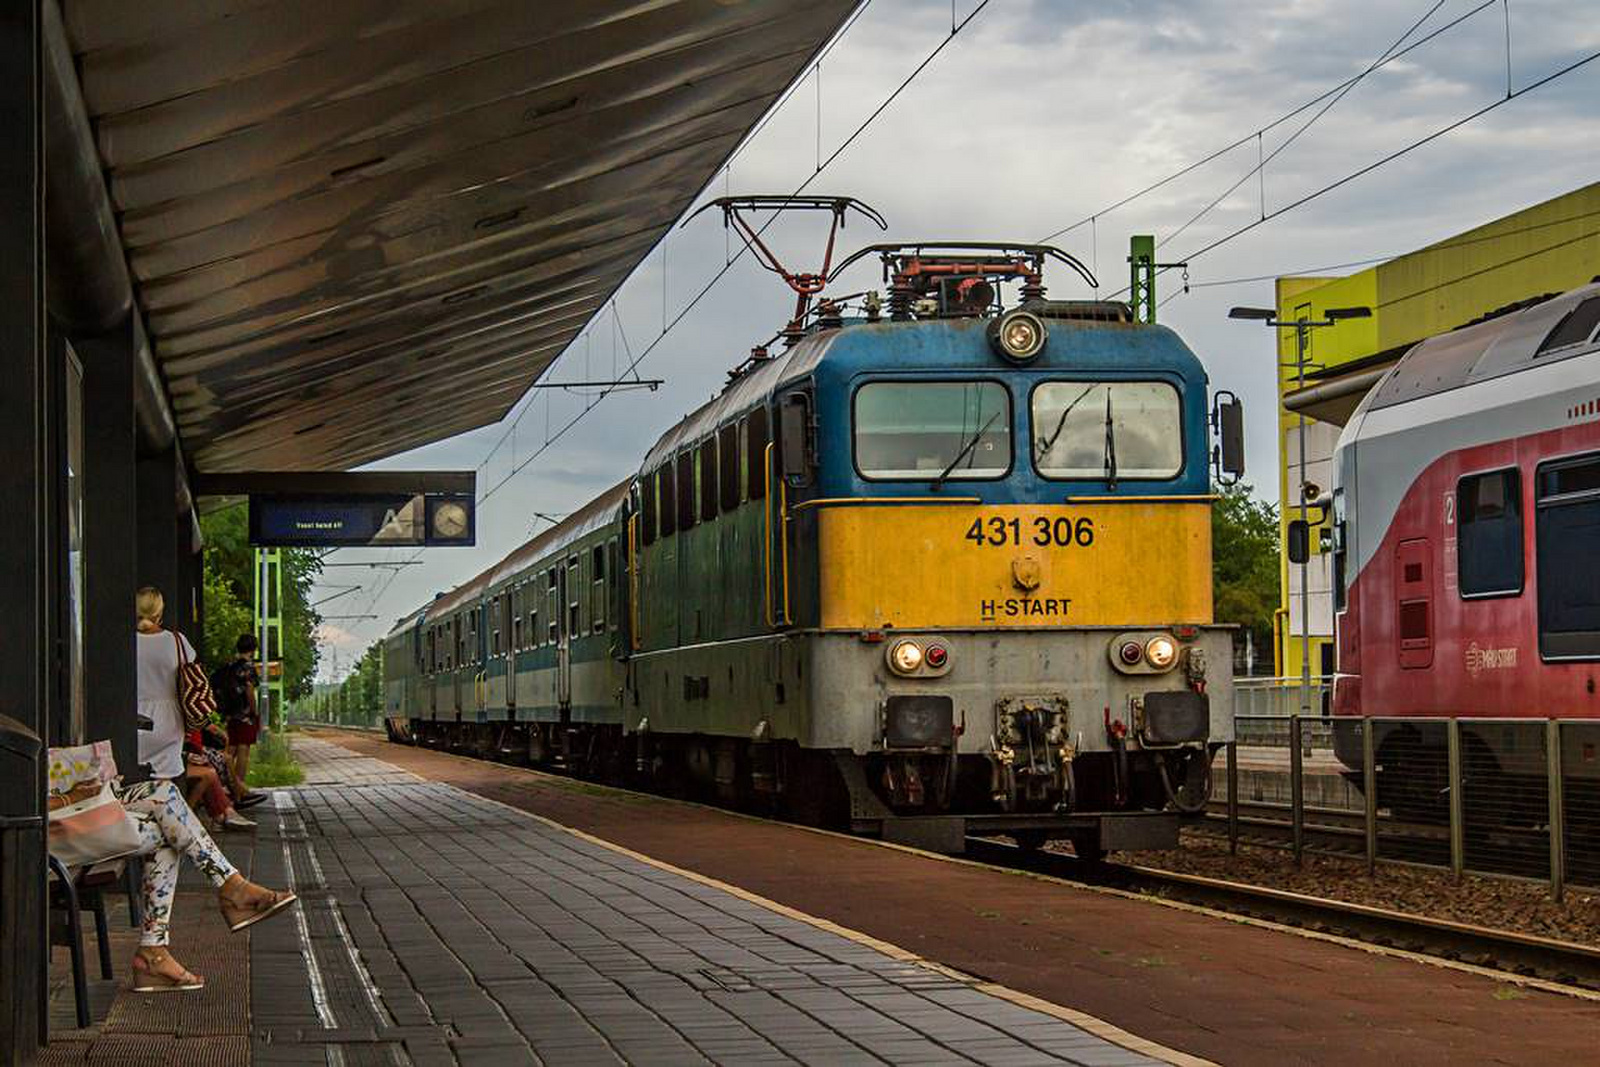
{"x": 1036, "y": 116}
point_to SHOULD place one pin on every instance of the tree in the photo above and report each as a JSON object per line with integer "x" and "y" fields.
{"x": 1244, "y": 560}
{"x": 230, "y": 585}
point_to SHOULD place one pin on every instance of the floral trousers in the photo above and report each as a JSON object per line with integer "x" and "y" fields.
{"x": 170, "y": 831}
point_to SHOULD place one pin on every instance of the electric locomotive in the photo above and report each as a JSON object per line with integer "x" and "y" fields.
{"x": 937, "y": 568}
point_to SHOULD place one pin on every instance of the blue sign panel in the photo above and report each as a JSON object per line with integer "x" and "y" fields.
{"x": 376, "y": 520}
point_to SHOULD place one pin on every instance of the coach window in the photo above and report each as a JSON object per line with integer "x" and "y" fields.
{"x": 728, "y": 466}
{"x": 1567, "y": 533}
{"x": 931, "y": 430}
{"x": 1575, "y": 329}
{"x": 494, "y": 628}
{"x": 686, "y": 489}
{"x": 708, "y": 479}
{"x": 667, "y": 494}
{"x": 1489, "y": 534}
{"x": 1112, "y": 430}
{"x": 574, "y": 597}
{"x": 597, "y": 588}
{"x": 553, "y": 605}
{"x": 755, "y": 453}
{"x": 614, "y": 573}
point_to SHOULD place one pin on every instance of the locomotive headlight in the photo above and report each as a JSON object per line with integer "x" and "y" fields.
{"x": 1161, "y": 652}
{"x": 905, "y": 657}
{"x": 1018, "y": 335}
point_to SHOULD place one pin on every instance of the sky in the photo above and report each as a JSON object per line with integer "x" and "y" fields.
{"x": 1040, "y": 114}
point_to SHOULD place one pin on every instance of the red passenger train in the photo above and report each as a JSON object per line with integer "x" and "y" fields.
{"x": 1466, "y": 530}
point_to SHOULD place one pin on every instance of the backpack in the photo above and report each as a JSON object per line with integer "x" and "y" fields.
{"x": 228, "y": 683}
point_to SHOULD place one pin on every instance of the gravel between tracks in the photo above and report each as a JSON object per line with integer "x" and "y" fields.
{"x": 1523, "y": 907}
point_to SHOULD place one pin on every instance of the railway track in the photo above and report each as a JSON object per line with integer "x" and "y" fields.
{"x": 1562, "y": 963}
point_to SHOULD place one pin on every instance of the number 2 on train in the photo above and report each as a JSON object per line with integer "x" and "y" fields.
{"x": 1061, "y": 532}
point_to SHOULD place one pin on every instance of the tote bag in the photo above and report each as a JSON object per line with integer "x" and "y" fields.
{"x": 194, "y": 690}
{"x": 88, "y": 824}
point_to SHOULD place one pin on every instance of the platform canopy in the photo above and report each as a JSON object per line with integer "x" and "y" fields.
{"x": 358, "y": 226}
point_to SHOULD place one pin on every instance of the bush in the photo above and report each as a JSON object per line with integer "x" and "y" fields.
{"x": 272, "y": 763}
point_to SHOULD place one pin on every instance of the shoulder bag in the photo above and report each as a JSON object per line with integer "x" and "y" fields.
{"x": 194, "y": 690}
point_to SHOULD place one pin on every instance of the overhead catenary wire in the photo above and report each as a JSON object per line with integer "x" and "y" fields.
{"x": 1190, "y": 168}
{"x": 1260, "y": 169}
{"x": 634, "y": 361}
{"x": 718, "y": 275}
{"x": 1382, "y": 161}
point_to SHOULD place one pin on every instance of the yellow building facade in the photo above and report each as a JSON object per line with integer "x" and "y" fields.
{"x": 1548, "y": 248}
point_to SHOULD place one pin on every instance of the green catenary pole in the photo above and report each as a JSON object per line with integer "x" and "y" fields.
{"x": 269, "y": 631}
{"x": 1142, "y": 276}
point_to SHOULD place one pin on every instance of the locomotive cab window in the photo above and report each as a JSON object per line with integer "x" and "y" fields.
{"x": 1567, "y": 538}
{"x": 1109, "y": 430}
{"x": 930, "y": 430}
{"x": 1489, "y": 534}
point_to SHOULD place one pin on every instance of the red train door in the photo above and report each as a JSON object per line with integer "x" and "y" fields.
{"x": 1413, "y": 593}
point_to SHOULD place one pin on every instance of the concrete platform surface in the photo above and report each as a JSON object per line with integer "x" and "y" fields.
{"x": 439, "y": 928}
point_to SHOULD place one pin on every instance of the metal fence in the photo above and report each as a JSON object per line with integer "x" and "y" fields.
{"x": 1517, "y": 797}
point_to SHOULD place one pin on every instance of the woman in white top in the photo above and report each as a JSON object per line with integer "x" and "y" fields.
{"x": 165, "y": 821}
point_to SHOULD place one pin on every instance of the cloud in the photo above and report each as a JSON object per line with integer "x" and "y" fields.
{"x": 1043, "y": 113}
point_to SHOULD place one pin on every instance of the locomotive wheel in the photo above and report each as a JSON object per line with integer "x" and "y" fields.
{"x": 1030, "y": 840}
{"x": 1086, "y": 843}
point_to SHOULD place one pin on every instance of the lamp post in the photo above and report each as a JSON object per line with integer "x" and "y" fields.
{"x": 1302, "y": 345}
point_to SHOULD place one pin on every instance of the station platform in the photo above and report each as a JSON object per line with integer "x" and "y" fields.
{"x": 441, "y": 927}
{"x": 462, "y": 912}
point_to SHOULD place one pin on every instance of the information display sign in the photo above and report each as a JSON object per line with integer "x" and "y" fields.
{"x": 375, "y": 520}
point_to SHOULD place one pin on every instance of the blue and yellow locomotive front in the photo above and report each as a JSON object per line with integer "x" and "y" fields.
{"x": 1004, "y": 567}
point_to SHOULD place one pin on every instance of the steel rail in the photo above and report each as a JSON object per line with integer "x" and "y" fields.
{"x": 1564, "y": 963}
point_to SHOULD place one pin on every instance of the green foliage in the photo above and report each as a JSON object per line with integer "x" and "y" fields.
{"x": 355, "y": 701}
{"x": 226, "y": 618}
{"x": 230, "y": 585}
{"x": 272, "y": 763}
{"x": 1244, "y": 558}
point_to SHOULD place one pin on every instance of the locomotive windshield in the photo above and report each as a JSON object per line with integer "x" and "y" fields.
{"x": 1107, "y": 430}
{"x": 932, "y": 430}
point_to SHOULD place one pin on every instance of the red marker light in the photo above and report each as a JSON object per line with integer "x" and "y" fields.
{"x": 936, "y": 656}
{"x": 1131, "y": 652}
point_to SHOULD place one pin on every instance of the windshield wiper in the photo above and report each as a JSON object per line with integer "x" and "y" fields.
{"x": 1111, "y": 447}
{"x": 972, "y": 442}
{"x": 1046, "y": 445}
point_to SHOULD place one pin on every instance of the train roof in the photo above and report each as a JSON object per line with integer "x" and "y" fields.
{"x": 1548, "y": 331}
{"x": 742, "y": 395}
{"x": 586, "y": 519}
{"x": 596, "y": 513}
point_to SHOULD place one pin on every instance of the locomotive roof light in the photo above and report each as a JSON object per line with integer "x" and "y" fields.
{"x": 905, "y": 657}
{"x": 1018, "y": 335}
{"x": 1161, "y": 652}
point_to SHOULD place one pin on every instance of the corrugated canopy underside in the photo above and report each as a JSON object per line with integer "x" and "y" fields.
{"x": 358, "y": 226}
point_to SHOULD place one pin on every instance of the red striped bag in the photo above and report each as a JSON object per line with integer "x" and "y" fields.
{"x": 194, "y": 690}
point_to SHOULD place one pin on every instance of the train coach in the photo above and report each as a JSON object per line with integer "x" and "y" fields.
{"x": 937, "y": 568}
{"x": 1466, "y": 529}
